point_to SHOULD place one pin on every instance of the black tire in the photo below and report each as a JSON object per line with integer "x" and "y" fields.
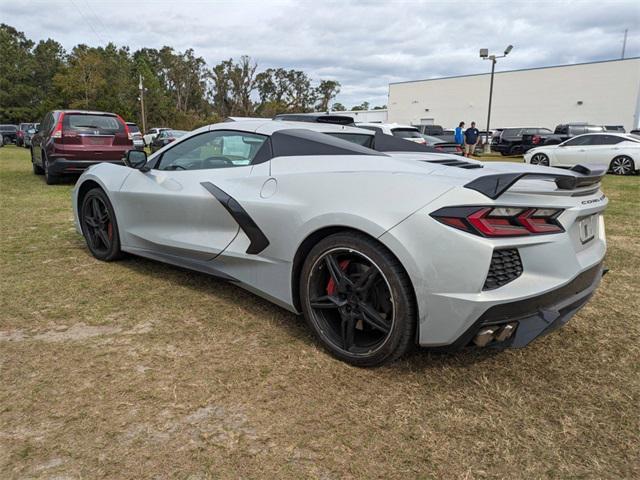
{"x": 99, "y": 226}
{"x": 368, "y": 317}
{"x": 622, "y": 165}
{"x": 514, "y": 150}
{"x": 504, "y": 154}
{"x": 37, "y": 169}
{"x": 539, "y": 159}
{"x": 49, "y": 177}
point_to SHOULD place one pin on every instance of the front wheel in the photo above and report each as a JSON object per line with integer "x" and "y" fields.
{"x": 540, "y": 159}
{"x": 358, "y": 300}
{"x": 622, "y": 165}
{"x": 99, "y": 226}
{"x": 37, "y": 169}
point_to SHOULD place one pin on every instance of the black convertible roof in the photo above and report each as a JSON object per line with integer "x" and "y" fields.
{"x": 296, "y": 142}
{"x": 316, "y": 118}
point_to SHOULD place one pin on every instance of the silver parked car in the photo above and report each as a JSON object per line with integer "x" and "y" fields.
{"x": 380, "y": 248}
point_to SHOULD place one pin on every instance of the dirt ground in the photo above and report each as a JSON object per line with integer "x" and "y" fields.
{"x": 134, "y": 369}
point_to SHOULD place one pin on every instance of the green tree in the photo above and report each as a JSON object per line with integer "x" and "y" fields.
{"x": 362, "y": 106}
{"x": 338, "y": 107}
{"x": 325, "y": 92}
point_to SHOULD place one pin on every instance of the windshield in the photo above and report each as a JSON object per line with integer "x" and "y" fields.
{"x": 405, "y": 133}
{"x": 8, "y": 128}
{"x": 357, "y": 138}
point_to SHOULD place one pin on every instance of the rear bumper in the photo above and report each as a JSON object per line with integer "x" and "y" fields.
{"x": 539, "y": 315}
{"x": 61, "y": 166}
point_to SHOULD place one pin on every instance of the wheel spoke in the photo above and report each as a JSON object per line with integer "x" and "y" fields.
{"x": 104, "y": 238}
{"x": 327, "y": 301}
{"x": 373, "y": 318}
{"x": 365, "y": 282}
{"x": 337, "y": 274}
{"x": 348, "y": 329}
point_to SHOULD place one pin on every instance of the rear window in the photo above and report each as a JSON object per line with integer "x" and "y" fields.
{"x": 405, "y": 133}
{"x": 512, "y": 132}
{"x": 357, "y": 138}
{"x": 102, "y": 124}
{"x": 133, "y": 128}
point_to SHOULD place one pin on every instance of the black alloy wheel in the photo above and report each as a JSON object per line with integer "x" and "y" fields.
{"x": 99, "y": 226}
{"x": 358, "y": 300}
{"x": 540, "y": 159}
{"x": 622, "y": 165}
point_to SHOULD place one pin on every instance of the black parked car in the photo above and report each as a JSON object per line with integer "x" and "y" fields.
{"x": 509, "y": 141}
{"x": 566, "y": 131}
{"x": 165, "y": 137}
{"x": 8, "y": 133}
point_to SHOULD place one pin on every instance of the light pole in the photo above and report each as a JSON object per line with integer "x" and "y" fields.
{"x": 484, "y": 54}
{"x": 141, "y": 88}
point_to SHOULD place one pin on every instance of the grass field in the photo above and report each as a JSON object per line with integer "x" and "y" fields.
{"x": 135, "y": 369}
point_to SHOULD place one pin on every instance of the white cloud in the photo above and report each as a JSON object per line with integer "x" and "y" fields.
{"x": 363, "y": 44}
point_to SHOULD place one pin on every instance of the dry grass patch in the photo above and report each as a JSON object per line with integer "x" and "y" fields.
{"x": 135, "y": 369}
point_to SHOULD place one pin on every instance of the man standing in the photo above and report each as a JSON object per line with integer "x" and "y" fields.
{"x": 459, "y": 136}
{"x": 471, "y": 137}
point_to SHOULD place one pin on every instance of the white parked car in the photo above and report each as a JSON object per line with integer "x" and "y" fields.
{"x": 151, "y": 134}
{"x": 402, "y": 131}
{"x": 619, "y": 151}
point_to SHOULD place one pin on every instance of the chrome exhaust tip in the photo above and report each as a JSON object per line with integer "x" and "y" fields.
{"x": 484, "y": 336}
{"x": 505, "y": 332}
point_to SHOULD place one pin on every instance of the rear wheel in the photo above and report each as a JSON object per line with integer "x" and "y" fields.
{"x": 539, "y": 159}
{"x": 99, "y": 226}
{"x": 358, "y": 300}
{"x": 622, "y": 165}
{"x": 49, "y": 177}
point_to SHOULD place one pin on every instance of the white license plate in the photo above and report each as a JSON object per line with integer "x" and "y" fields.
{"x": 587, "y": 228}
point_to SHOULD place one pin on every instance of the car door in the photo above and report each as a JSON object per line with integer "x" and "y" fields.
{"x": 603, "y": 151}
{"x": 573, "y": 151}
{"x": 39, "y": 139}
{"x": 176, "y": 207}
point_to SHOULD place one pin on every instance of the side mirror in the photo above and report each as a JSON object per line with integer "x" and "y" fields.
{"x": 136, "y": 159}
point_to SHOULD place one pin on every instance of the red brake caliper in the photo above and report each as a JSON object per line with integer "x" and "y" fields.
{"x": 110, "y": 231}
{"x": 331, "y": 285}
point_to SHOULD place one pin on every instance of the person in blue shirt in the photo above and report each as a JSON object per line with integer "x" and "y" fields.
{"x": 471, "y": 137}
{"x": 459, "y": 135}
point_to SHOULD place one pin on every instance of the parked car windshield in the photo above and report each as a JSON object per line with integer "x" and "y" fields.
{"x": 405, "y": 133}
{"x": 9, "y": 128}
{"x": 357, "y": 138}
{"x": 104, "y": 124}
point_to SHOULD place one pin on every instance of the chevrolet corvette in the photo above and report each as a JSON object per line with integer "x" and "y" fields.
{"x": 379, "y": 247}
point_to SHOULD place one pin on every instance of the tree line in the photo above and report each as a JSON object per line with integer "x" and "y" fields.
{"x": 180, "y": 89}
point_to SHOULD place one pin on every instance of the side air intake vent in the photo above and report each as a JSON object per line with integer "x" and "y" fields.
{"x": 505, "y": 267}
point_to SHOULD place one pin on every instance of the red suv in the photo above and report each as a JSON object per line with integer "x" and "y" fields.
{"x": 69, "y": 141}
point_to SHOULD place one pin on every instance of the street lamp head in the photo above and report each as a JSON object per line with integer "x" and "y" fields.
{"x": 484, "y": 52}
{"x": 508, "y": 49}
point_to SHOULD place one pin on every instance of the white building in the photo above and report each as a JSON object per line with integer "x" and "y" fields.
{"x": 366, "y": 116}
{"x": 601, "y": 93}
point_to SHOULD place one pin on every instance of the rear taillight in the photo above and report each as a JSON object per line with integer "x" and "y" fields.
{"x": 501, "y": 221}
{"x": 57, "y": 132}
{"x": 126, "y": 127}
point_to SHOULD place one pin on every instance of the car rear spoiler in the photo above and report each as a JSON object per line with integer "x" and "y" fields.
{"x": 493, "y": 186}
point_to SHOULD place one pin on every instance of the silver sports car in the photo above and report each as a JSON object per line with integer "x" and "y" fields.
{"x": 381, "y": 247}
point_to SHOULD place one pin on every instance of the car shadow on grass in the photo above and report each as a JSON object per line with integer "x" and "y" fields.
{"x": 294, "y": 325}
